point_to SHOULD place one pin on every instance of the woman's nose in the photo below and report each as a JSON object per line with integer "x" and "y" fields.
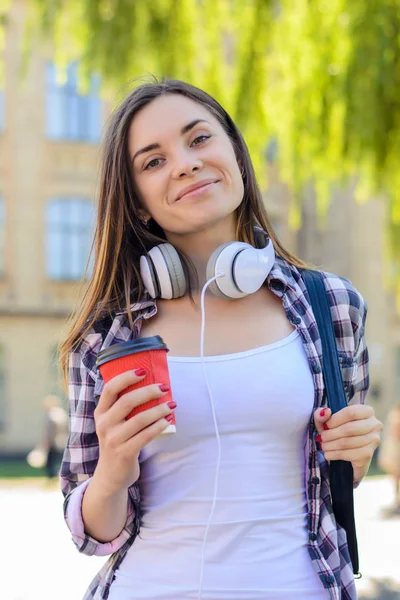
{"x": 185, "y": 165}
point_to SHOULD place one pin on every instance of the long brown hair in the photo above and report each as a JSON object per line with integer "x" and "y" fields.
{"x": 121, "y": 238}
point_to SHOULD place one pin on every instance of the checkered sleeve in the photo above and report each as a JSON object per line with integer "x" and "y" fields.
{"x": 360, "y": 385}
{"x": 82, "y": 451}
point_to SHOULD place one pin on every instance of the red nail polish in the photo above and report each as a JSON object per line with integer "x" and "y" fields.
{"x": 164, "y": 388}
{"x": 140, "y": 372}
{"x": 326, "y": 426}
{"x": 170, "y": 418}
{"x": 172, "y": 405}
{"x": 318, "y": 438}
{"x": 321, "y": 414}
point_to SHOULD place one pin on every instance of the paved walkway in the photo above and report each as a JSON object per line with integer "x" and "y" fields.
{"x": 39, "y": 562}
{"x": 378, "y": 532}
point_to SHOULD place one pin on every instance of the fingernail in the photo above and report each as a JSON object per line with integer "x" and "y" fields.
{"x": 140, "y": 372}
{"x": 321, "y": 414}
{"x": 163, "y": 387}
{"x": 326, "y": 426}
{"x": 172, "y": 405}
{"x": 318, "y": 438}
{"x": 170, "y": 418}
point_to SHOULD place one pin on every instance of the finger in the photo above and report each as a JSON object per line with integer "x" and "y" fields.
{"x": 321, "y": 415}
{"x": 349, "y": 443}
{"x": 121, "y": 409}
{"x": 114, "y": 387}
{"x": 139, "y": 441}
{"x": 350, "y": 413}
{"x": 361, "y": 455}
{"x": 350, "y": 429}
{"x": 132, "y": 427}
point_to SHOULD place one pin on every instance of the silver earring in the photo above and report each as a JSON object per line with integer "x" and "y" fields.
{"x": 144, "y": 221}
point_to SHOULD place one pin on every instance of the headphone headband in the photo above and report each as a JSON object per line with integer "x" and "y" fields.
{"x": 245, "y": 269}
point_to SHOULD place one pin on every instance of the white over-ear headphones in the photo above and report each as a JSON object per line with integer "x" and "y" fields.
{"x": 245, "y": 269}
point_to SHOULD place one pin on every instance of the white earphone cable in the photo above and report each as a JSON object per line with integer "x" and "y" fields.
{"x": 203, "y": 322}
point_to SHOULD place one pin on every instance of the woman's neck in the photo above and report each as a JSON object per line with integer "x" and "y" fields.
{"x": 200, "y": 245}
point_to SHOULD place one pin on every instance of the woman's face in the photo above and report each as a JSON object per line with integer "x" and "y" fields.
{"x": 176, "y": 143}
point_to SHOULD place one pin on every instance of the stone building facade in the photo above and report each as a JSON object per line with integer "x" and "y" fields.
{"x": 49, "y": 144}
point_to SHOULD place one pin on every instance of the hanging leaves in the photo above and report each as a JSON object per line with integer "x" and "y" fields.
{"x": 319, "y": 76}
{"x": 336, "y": 79}
{"x": 218, "y": 45}
{"x": 4, "y": 8}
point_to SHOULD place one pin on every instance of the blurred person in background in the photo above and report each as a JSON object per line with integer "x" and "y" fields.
{"x": 55, "y": 434}
{"x": 176, "y": 171}
{"x": 48, "y": 452}
{"x": 389, "y": 452}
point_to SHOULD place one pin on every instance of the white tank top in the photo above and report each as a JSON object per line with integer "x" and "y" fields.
{"x": 256, "y": 544}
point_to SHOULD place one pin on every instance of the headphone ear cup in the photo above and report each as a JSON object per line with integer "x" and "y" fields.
{"x": 175, "y": 270}
{"x": 211, "y": 266}
{"x": 149, "y": 276}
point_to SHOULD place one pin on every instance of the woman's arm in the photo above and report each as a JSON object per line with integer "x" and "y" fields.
{"x": 81, "y": 456}
{"x": 104, "y": 512}
{"x": 109, "y": 448}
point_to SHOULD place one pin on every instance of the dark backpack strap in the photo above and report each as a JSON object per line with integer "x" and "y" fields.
{"x": 341, "y": 472}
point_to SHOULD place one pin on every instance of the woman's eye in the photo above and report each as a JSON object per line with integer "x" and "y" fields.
{"x": 152, "y": 163}
{"x": 200, "y": 139}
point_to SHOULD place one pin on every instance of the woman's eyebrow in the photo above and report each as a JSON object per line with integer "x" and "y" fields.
{"x": 155, "y": 146}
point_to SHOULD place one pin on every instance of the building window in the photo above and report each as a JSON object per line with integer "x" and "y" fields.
{"x": 71, "y": 115}
{"x": 69, "y": 233}
{"x": 2, "y": 238}
{"x": 3, "y": 391}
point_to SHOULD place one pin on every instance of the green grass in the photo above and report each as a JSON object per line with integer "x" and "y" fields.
{"x": 19, "y": 469}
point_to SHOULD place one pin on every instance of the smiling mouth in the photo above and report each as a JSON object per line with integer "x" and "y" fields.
{"x": 198, "y": 191}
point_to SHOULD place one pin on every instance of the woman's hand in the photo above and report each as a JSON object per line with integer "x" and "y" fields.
{"x": 351, "y": 434}
{"x": 121, "y": 440}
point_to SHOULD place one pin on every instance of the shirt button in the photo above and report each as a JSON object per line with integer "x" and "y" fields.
{"x": 316, "y": 369}
{"x": 313, "y": 537}
{"x": 315, "y": 480}
{"x": 277, "y": 285}
{"x": 329, "y": 579}
{"x": 295, "y": 320}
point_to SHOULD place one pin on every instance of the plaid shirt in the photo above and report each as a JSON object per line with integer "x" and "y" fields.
{"x": 326, "y": 541}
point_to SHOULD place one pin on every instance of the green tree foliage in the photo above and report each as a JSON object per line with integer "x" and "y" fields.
{"x": 337, "y": 108}
{"x": 218, "y": 45}
{"x": 321, "y": 76}
{"x": 4, "y": 8}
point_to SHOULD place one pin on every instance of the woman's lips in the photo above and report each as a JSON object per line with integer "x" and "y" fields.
{"x": 198, "y": 192}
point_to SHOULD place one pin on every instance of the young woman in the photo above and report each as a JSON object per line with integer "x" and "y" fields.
{"x": 237, "y": 507}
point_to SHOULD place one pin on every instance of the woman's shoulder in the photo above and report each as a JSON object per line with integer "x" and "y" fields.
{"x": 348, "y": 306}
{"x": 343, "y": 292}
{"x": 340, "y": 290}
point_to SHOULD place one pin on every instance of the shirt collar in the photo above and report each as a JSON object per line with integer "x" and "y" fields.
{"x": 147, "y": 303}
{"x": 281, "y": 278}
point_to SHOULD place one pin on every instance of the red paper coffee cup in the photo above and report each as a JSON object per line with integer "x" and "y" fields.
{"x": 148, "y": 353}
